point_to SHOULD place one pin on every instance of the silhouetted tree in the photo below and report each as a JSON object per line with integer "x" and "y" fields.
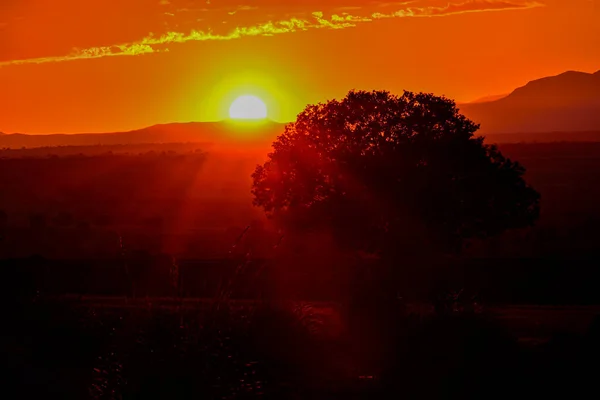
{"x": 387, "y": 174}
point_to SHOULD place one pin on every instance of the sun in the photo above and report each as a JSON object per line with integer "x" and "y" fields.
{"x": 248, "y": 107}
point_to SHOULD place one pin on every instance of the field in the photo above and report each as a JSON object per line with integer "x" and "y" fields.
{"x": 193, "y": 204}
{"x": 156, "y": 348}
{"x": 527, "y": 323}
{"x": 150, "y": 275}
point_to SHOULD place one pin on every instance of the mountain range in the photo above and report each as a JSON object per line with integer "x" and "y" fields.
{"x": 487, "y": 99}
{"x": 569, "y": 102}
{"x": 563, "y": 107}
{"x": 208, "y": 133}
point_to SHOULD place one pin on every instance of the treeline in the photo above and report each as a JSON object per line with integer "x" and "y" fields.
{"x": 104, "y": 150}
{"x": 167, "y": 192}
{"x": 194, "y": 188}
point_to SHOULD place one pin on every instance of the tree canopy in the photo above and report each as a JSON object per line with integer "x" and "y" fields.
{"x": 391, "y": 173}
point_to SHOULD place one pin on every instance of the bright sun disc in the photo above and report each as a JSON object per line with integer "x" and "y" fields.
{"x": 248, "y": 107}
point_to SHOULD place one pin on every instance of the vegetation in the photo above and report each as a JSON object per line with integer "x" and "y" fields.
{"x": 241, "y": 340}
{"x": 76, "y": 351}
{"x": 389, "y": 175}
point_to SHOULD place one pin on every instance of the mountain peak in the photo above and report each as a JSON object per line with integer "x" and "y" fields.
{"x": 571, "y": 73}
{"x": 569, "y": 101}
{"x": 569, "y": 87}
{"x": 567, "y": 75}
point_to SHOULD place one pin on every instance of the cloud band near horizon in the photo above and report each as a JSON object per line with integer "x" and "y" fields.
{"x": 343, "y": 19}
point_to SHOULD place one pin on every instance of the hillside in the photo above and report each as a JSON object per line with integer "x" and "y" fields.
{"x": 567, "y": 102}
{"x": 487, "y": 99}
{"x": 208, "y": 133}
{"x": 565, "y": 107}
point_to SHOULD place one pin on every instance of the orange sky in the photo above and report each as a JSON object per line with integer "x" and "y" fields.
{"x": 78, "y": 66}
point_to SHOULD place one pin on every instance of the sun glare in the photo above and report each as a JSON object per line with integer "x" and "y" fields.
{"x": 248, "y": 107}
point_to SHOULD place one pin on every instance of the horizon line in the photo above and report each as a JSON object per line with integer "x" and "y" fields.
{"x": 227, "y": 120}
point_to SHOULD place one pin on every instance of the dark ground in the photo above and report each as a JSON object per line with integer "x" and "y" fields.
{"x": 86, "y": 349}
{"x": 63, "y": 237}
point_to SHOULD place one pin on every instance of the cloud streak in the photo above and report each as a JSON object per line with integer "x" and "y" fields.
{"x": 317, "y": 20}
{"x": 242, "y": 8}
{"x": 461, "y": 8}
{"x": 133, "y": 49}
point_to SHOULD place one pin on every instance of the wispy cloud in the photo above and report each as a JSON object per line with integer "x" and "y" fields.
{"x": 461, "y": 8}
{"x": 132, "y": 49}
{"x": 396, "y": 3}
{"x": 317, "y": 20}
{"x": 242, "y": 8}
{"x": 349, "y": 8}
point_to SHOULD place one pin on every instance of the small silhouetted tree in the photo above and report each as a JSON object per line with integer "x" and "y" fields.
{"x": 389, "y": 174}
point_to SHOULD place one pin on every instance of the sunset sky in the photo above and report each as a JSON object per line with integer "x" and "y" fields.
{"x": 95, "y": 66}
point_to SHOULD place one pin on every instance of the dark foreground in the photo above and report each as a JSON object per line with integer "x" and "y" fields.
{"x": 78, "y": 348}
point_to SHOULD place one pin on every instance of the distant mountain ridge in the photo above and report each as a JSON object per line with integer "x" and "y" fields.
{"x": 568, "y": 88}
{"x": 209, "y": 133}
{"x": 567, "y": 102}
{"x": 487, "y": 99}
